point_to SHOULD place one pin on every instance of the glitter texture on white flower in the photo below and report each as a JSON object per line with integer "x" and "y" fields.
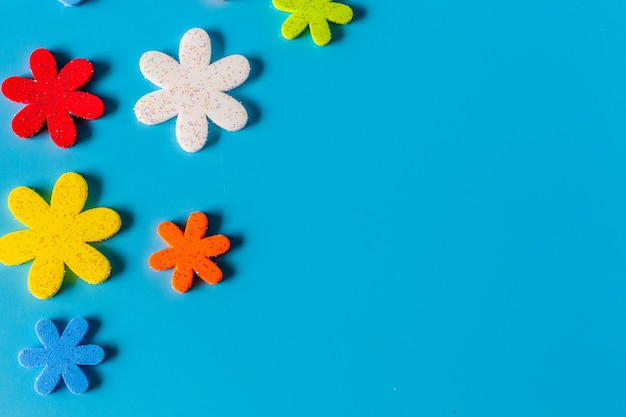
{"x": 193, "y": 90}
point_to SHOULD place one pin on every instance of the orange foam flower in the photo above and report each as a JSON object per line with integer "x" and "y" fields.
{"x": 190, "y": 252}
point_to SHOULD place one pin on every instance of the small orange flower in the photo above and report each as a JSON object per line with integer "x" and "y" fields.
{"x": 190, "y": 252}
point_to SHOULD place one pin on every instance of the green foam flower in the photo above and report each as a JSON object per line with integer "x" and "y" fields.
{"x": 315, "y": 14}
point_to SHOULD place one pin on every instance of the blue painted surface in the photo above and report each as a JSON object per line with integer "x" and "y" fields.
{"x": 430, "y": 214}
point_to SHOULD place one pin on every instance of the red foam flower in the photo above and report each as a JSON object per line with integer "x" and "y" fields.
{"x": 51, "y": 98}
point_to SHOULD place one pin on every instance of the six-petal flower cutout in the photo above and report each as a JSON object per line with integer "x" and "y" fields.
{"x": 190, "y": 252}
{"x": 315, "y": 14}
{"x": 193, "y": 90}
{"x": 52, "y": 98}
{"x": 61, "y": 356}
{"x": 58, "y": 235}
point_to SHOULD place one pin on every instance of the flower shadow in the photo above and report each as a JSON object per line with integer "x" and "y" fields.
{"x": 358, "y": 13}
{"x": 217, "y": 45}
{"x": 94, "y": 190}
{"x": 254, "y": 111}
{"x": 110, "y": 352}
{"x": 256, "y": 68}
{"x": 70, "y": 279}
{"x": 337, "y": 31}
{"x": 236, "y": 241}
{"x": 93, "y": 201}
{"x": 101, "y": 68}
{"x": 214, "y": 134}
{"x": 117, "y": 266}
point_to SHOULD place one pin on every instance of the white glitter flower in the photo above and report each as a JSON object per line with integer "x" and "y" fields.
{"x": 193, "y": 90}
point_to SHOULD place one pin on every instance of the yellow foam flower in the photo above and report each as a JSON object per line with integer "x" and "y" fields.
{"x": 58, "y": 234}
{"x": 315, "y": 14}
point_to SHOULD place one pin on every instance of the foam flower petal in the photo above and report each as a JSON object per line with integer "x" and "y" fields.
{"x": 197, "y": 224}
{"x": 85, "y": 105}
{"x": 32, "y": 358}
{"x": 18, "y": 247}
{"x": 163, "y": 259}
{"x": 88, "y": 263}
{"x": 195, "y": 50}
{"x": 62, "y": 129}
{"x": 156, "y": 107}
{"x": 294, "y": 25}
{"x": 71, "y": 3}
{"x": 74, "y": 331}
{"x": 75, "y": 379}
{"x": 226, "y": 112}
{"x": 47, "y": 381}
{"x": 69, "y": 194}
{"x": 338, "y": 13}
{"x": 182, "y": 278}
{"x": 287, "y": 5}
{"x": 45, "y": 276}
{"x": 28, "y": 207}
{"x": 28, "y": 121}
{"x": 47, "y": 333}
{"x": 76, "y": 73}
{"x": 160, "y": 69}
{"x": 18, "y": 89}
{"x": 229, "y": 72}
{"x": 320, "y": 31}
{"x": 98, "y": 224}
{"x": 208, "y": 271}
{"x": 192, "y": 129}
{"x": 43, "y": 65}
{"x": 216, "y": 245}
{"x": 88, "y": 355}
{"x": 170, "y": 233}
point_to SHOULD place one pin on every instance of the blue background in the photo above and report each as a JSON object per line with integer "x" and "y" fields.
{"x": 428, "y": 215}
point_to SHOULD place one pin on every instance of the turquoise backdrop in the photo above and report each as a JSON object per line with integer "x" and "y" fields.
{"x": 428, "y": 215}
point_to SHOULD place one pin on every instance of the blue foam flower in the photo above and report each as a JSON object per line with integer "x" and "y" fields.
{"x": 61, "y": 356}
{"x": 71, "y": 3}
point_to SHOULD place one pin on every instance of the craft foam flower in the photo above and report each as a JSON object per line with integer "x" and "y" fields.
{"x": 315, "y": 14}
{"x": 60, "y": 356}
{"x": 58, "y": 234}
{"x": 190, "y": 252}
{"x": 193, "y": 90}
{"x": 71, "y": 3}
{"x": 52, "y": 98}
